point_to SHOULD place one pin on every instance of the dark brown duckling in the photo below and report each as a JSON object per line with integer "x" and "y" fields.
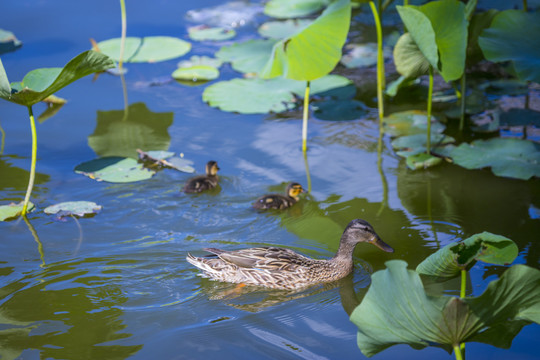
{"x": 201, "y": 183}
{"x": 278, "y": 201}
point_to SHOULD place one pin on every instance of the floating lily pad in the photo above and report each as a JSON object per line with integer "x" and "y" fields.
{"x": 409, "y": 145}
{"x": 451, "y": 259}
{"x": 315, "y": 50}
{"x": 506, "y": 87}
{"x": 293, "y": 8}
{"x": 247, "y": 57}
{"x": 196, "y": 60}
{"x": 257, "y": 96}
{"x": 338, "y": 110}
{"x": 161, "y": 159}
{"x": 410, "y": 122}
{"x": 520, "y": 117}
{"x": 203, "y": 33}
{"x": 40, "y": 83}
{"x": 13, "y": 210}
{"x": 8, "y": 42}
{"x": 397, "y": 310}
{"x": 282, "y": 29}
{"x": 510, "y": 38}
{"x": 196, "y": 73}
{"x": 362, "y": 55}
{"x": 514, "y": 158}
{"x": 114, "y": 170}
{"x": 147, "y": 49}
{"x": 73, "y": 208}
{"x": 422, "y": 161}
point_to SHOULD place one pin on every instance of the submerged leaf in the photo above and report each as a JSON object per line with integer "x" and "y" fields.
{"x": 13, "y": 210}
{"x": 451, "y": 259}
{"x": 410, "y": 122}
{"x": 422, "y": 161}
{"x": 73, "y": 208}
{"x": 115, "y": 170}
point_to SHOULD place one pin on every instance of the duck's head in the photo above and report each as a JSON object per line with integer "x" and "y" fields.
{"x": 359, "y": 231}
{"x": 211, "y": 168}
{"x": 294, "y": 189}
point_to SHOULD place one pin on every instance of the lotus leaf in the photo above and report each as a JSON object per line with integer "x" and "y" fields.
{"x": 315, "y": 50}
{"x": 202, "y": 33}
{"x": 422, "y": 161}
{"x": 75, "y": 208}
{"x": 13, "y": 210}
{"x": 114, "y": 170}
{"x": 410, "y": 122}
{"x": 338, "y": 110}
{"x": 8, "y": 42}
{"x": 514, "y": 158}
{"x": 448, "y": 261}
{"x": 510, "y": 38}
{"x": 282, "y": 29}
{"x": 40, "y": 83}
{"x": 200, "y": 60}
{"x": 397, "y": 310}
{"x": 147, "y": 49}
{"x": 257, "y": 96}
{"x": 409, "y": 145}
{"x": 247, "y": 57}
{"x": 293, "y": 8}
{"x": 196, "y": 73}
{"x": 410, "y": 61}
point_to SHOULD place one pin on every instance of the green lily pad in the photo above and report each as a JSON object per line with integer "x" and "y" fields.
{"x": 397, "y": 310}
{"x": 478, "y": 23}
{"x": 196, "y": 73}
{"x": 402, "y": 82}
{"x": 448, "y": 261}
{"x": 203, "y": 33}
{"x": 410, "y": 61}
{"x": 429, "y": 26}
{"x": 8, "y": 42}
{"x": 422, "y": 161}
{"x": 520, "y": 117}
{"x": 362, "y": 55}
{"x": 282, "y": 29}
{"x": 114, "y": 170}
{"x": 510, "y": 87}
{"x": 514, "y": 158}
{"x": 339, "y": 110}
{"x": 409, "y": 145}
{"x": 11, "y": 211}
{"x": 73, "y": 208}
{"x": 121, "y": 133}
{"x": 285, "y": 9}
{"x": 147, "y": 49}
{"x": 196, "y": 60}
{"x": 257, "y": 96}
{"x": 247, "y": 57}
{"x": 410, "y": 122}
{"x": 314, "y": 51}
{"x": 510, "y": 38}
{"x": 40, "y": 83}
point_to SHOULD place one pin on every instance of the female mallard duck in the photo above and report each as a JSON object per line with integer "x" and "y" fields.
{"x": 281, "y": 268}
{"x": 278, "y": 201}
{"x": 201, "y": 183}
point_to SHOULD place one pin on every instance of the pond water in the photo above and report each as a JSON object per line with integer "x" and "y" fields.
{"x": 117, "y": 285}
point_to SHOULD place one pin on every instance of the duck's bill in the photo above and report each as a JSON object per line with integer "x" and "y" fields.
{"x": 382, "y": 245}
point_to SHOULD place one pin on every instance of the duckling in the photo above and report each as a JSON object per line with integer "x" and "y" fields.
{"x": 281, "y": 268}
{"x": 278, "y": 201}
{"x": 201, "y": 183}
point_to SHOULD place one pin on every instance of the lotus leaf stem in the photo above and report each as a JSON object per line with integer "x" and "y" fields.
{"x": 308, "y": 176}
{"x": 36, "y": 238}
{"x": 384, "y": 182}
{"x": 463, "y": 102}
{"x": 430, "y": 95}
{"x": 123, "y": 38}
{"x": 33, "y": 163}
{"x": 525, "y": 5}
{"x": 380, "y": 62}
{"x": 305, "y": 118}
{"x": 463, "y": 283}
{"x": 457, "y": 353}
{"x": 3, "y": 141}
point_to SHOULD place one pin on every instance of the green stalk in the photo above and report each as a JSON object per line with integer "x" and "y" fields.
{"x": 430, "y": 95}
{"x": 384, "y": 182}
{"x": 305, "y": 118}
{"x": 463, "y": 104}
{"x": 380, "y": 62}
{"x": 33, "y": 164}
{"x": 525, "y": 5}
{"x": 463, "y": 283}
{"x": 308, "y": 176}
{"x": 123, "y": 39}
{"x": 36, "y": 238}
{"x": 457, "y": 353}
{"x": 3, "y": 140}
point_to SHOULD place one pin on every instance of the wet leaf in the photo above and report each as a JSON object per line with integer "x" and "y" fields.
{"x": 196, "y": 60}
{"x": 196, "y": 73}
{"x": 114, "y": 170}
{"x": 510, "y": 38}
{"x": 409, "y": 145}
{"x": 315, "y": 51}
{"x": 147, "y": 49}
{"x": 40, "y": 83}
{"x": 338, "y": 110}
{"x": 203, "y": 33}
{"x": 293, "y": 8}
{"x": 73, "y": 208}
{"x": 282, "y": 29}
{"x": 247, "y": 57}
{"x": 257, "y": 96}
{"x": 448, "y": 261}
{"x": 422, "y": 161}
{"x": 514, "y": 158}
{"x": 362, "y": 55}
{"x": 12, "y": 211}
{"x": 8, "y": 42}
{"x": 397, "y": 310}
{"x": 410, "y": 122}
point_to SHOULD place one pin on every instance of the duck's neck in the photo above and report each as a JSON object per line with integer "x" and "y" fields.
{"x": 345, "y": 252}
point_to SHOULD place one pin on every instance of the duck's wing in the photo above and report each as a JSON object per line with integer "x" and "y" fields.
{"x": 273, "y": 201}
{"x": 263, "y": 258}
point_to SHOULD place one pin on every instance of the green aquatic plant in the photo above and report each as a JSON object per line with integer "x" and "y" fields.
{"x": 39, "y": 84}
